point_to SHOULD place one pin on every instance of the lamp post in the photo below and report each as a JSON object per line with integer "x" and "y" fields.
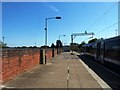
{"x": 61, "y": 35}
{"x": 3, "y": 39}
{"x": 46, "y": 33}
{"x": 46, "y": 27}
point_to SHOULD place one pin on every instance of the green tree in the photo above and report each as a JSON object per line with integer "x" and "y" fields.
{"x": 59, "y": 44}
{"x": 80, "y": 46}
{"x": 93, "y": 40}
{"x": 82, "y": 43}
{"x": 100, "y": 39}
{"x": 2, "y": 44}
{"x": 74, "y": 46}
{"x": 53, "y": 46}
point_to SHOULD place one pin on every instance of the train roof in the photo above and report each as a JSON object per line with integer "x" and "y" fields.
{"x": 104, "y": 40}
{"x": 113, "y": 38}
{"x": 109, "y": 39}
{"x": 89, "y": 44}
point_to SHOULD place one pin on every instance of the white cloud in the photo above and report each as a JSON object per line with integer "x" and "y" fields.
{"x": 51, "y": 7}
{"x": 54, "y": 9}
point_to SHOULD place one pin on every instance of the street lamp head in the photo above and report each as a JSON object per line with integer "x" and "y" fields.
{"x": 64, "y": 35}
{"x": 58, "y": 17}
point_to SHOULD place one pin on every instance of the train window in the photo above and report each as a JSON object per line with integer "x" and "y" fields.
{"x": 102, "y": 45}
{"x": 95, "y": 46}
{"x": 111, "y": 45}
{"x": 116, "y": 47}
{"x": 112, "y": 49}
{"x": 107, "y": 45}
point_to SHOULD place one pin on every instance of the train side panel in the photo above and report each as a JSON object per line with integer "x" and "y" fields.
{"x": 106, "y": 52}
{"x": 112, "y": 51}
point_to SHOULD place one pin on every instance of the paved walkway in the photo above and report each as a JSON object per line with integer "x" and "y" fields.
{"x": 63, "y": 71}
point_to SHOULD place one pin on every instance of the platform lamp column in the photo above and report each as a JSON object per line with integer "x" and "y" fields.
{"x": 46, "y": 34}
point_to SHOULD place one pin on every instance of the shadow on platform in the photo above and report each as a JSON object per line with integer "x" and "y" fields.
{"x": 112, "y": 80}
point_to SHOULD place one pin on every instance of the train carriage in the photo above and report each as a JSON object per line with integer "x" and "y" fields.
{"x": 106, "y": 52}
{"x": 112, "y": 51}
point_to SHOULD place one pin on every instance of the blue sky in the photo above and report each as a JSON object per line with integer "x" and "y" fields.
{"x": 23, "y": 23}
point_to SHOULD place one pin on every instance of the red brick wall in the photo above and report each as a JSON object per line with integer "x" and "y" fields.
{"x": 0, "y": 66}
{"x": 49, "y": 54}
{"x": 55, "y": 52}
{"x": 17, "y": 61}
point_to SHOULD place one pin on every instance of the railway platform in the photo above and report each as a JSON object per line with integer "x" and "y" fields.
{"x": 63, "y": 71}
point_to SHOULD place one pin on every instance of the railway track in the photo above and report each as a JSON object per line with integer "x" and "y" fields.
{"x": 109, "y": 76}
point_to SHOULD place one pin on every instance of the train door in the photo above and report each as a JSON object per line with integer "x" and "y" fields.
{"x": 102, "y": 52}
{"x": 95, "y": 52}
{"x": 98, "y": 51}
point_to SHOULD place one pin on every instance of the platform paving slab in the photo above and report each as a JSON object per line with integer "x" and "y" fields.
{"x": 55, "y": 75}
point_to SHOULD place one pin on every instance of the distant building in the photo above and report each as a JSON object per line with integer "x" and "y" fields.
{"x": 119, "y": 18}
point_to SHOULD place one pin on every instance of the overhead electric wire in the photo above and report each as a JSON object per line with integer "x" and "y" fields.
{"x": 102, "y": 16}
{"x": 108, "y": 27}
{"x": 105, "y": 29}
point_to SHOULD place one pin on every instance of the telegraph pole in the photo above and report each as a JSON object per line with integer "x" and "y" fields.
{"x": 3, "y": 39}
{"x": 116, "y": 32}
